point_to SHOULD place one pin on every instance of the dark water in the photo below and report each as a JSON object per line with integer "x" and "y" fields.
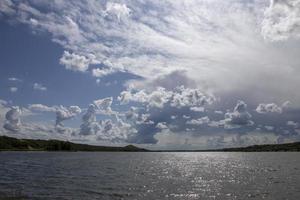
{"x": 82, "y": 175}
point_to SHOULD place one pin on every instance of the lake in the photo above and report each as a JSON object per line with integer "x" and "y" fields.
{"x": 124, "y": 175}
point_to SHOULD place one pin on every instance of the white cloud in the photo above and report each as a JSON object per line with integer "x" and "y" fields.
{"x": 292, "y": 124}
{"x": 269, "y": 128}
{"x": 75, "y": 62}
{"x": 15, "y": 79}
{"x": 64, "y": 113}
{"x": 103, "y": 106}
{"x": 223, "y": 48}
{"x": 239, "y": 117}
{"x": 200, "y": 121}
{"x": 268, "y": 108}
{"x": 161, "y": 125}
{"x": 13, "y": 89}
{"x": 197, "y": 109}
{"x": 13, "y": 121}
{"x": 107, "y": 130}
{"x": 119, "y": 10}
{"x": 102, "y": 72}
{"x": 282, "y": 20}
{"x": 38, "y": 86}
{"x": 180, "y": 97}
{"x": 41, "y": 108}
{"x": 218, "y": 45}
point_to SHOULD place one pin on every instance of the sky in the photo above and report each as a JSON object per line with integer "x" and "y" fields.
{"x": 161, "y": 74}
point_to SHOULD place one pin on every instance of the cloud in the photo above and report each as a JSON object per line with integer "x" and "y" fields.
{"x": 107, "y": 130}
{"x": 162, "y": 125}
{"x": 63, "y": 113}
{"x": 292, "y": 124}
{"x": 269, "y": 128}
{"x": 282, "y": 20}
{"x": 103, "y": 106}
{"x": 75, "y": 62}
{"x": 268, "y": 108}
{"x": 239, "y": 117}
{"x": 14, "y": 79}
{"x": 180, "y": 97}
{"x": 197, "y": 109}
{"x": 89, "y": 125}
{"x": 191, "y": 59}
{"x": 156, "y": 98}
{"x": 13, "y": 89}
{"x": 39, "y": 87}
{"x": 41, "y": 108}
{"x": 183, "y": 97}
{"x": 102, "y": 72}
{"x": 219, "y": 46}
{"x": 13, "y": 121}
{"x": 200, "y": 121}
{"x": 118, "y": 10}
{"x": 3, "y": 102}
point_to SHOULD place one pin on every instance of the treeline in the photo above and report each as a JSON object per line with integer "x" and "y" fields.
{"x": 9, "y": 143}
{"x": 267, "y": 147}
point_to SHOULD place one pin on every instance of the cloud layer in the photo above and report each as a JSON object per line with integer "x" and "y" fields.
{"x": 220, "y": 71}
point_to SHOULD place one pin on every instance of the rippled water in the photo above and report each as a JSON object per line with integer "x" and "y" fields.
{"x": 99, "y": 175}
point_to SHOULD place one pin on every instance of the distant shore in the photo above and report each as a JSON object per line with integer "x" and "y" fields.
{"x": 14, "y": 144}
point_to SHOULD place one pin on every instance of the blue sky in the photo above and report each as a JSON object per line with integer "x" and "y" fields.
{"x": 159, "y": 74}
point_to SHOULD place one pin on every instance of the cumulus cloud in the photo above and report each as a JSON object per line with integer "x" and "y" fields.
{"x": 162, "y": 125}
{"x": 239, "y": 117}
{"x": 117, "y": 9}
{"x": 180, "y": 97}
{"x": 89, "y": 125}
{"x": 200, "y": 121}
{"x": 197, "y": 109}
{"x": 38, "y": 86}
{"x": 217, "y": 45}
{"x": 190, "y": 97}
{"x": 108, "y": 130}
{"x": 282, "y": 20}
{"x": 75, "y": 62}
{"x": 13, "y": 121}
{"x": 156, "y": 98}
{"x": 63, "y": 113}
{"x": 41, "y": 108}
{"x": 103, "y": 106}
{"x": 268, "y": 108}
{"x": 102, "y": 72}
{"x": 209, "y": 47}
{"x": 292, "y": 124}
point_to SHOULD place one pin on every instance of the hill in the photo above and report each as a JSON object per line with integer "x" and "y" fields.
{"x": 266, "y": 147}
{"x": 14, "y": 144}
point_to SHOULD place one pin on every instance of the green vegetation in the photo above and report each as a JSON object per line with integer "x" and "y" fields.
{"x": 13, "y": 144}
{"x": 267, "y": 147}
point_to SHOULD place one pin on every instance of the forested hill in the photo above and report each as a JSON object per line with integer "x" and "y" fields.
{"x": 295, "y": 146}
{"x": 9, "y": 143}
{"x": 14, "y": 144}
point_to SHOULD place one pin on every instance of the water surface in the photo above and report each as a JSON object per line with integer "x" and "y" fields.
{"x": 117, "y": 175}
